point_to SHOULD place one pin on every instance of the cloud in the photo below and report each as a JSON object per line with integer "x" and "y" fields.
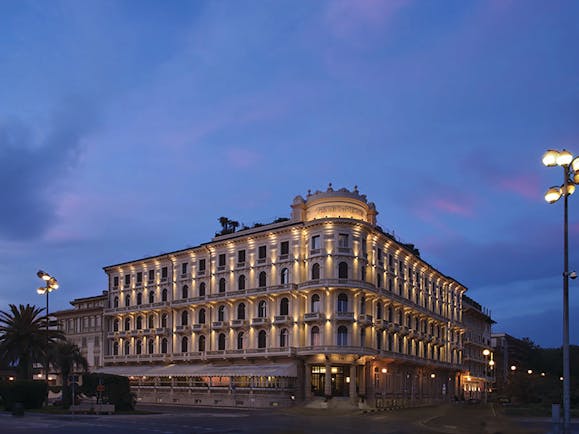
{"x": 32, "y": 169}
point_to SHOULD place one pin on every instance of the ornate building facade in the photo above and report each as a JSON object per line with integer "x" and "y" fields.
{"x": 324, "y": 303}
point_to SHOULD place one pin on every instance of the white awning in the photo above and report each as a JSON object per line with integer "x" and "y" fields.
{"x": 202, "y": 370}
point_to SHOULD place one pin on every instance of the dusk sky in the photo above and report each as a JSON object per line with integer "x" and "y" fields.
{"x": 127, "y": 128}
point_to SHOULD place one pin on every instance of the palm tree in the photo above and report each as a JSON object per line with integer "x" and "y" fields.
{"x": 65, "y": 357}
{"x": 24, "y": 339}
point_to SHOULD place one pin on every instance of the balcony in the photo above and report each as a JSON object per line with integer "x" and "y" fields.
{"x": 187, "y": 356}
{"x": 259, "y": 321}
{"x": 237, "y": 323}
{"x": 282, "y": 319}
{"x": 381, "y": 324}
{"x": 147, "y": 332}
{"x": 184, "y": 276}
{"x": 260, "y": 352}
{"x": 338, "y": 283}
{"x": 112, "y": 334}
{"x": 198, "y": 327}
{"x": 344, "y": 316}
{"x": 160, "y": 304}
{"x": 163, "y": 331}
{"x": 335, "y": 349}
{"x": 365, "y": 319}
{"x": 314, "y": 316}
{"x": 219, "y": 325}
{"x": 183, "y": 328}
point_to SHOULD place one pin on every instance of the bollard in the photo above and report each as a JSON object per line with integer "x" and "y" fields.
{"x": 556, "y": 417}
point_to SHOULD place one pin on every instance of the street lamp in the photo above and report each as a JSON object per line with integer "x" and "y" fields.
{"x": 486, "y": 352}
{"x": 570, "y": 167}
{"x": 51, "y": 284}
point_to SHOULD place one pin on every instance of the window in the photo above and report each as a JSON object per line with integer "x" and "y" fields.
{"x": 202, "y": 316}
{"x": 240, "y": 341}
{"x": 241, "y": 256}
{"x": 164, "y": 273}
{"x": 202, "y": 289}
{"x": 127, "y": 348}
{"x": 116, "y": 349}
{"x": 151, "y": 275}
{"x": 116, "y": 325}
{"x": 261, "y": 309}
{"x": 139, "y": 278}
{"x": 343, "y": 241}
{"x": 139, "y": 322}
{"x": 164, "y": 345}
{"x": 151, "y": 346}
{"x": 379, "y": 338}
{"x": 127, "y": 279}
{"x": 379, "y": 280}
{"x": 362, "y": 337}
{"x": 116, "y": 302}
{"x": 115, "y": 281}
{"x": 222, "y": 285}
{"x": 241, "y": 282}
{"x": 315, "y": 271}
{"x": 164, "y": 295}
{"x": 362, "y": 273}
{"x": 152, "y": 297}
{"x": 127, "y": 300}
{"x": 138, "y": 347}
{"x": 342, "y": 270}
{"x": 283, "y": 338}
{"x": 201, "y": 344}
{"x": 201, "y": 266}
{"x": 184, "y": 344}
{"x": 261, "y": 339}
{"x": 316, "y": 303}
{"x": 365, "y": 247}
{"x": 185, "y": 291}
{"x": 241, "y": 311}
{"x": 284, "y": 276}
{"x": 315, "y": 244}
{"x": 164, "y": 320}
{"x": 127, "y": 324}
{"x": 284, "y": 248}
{"x": 379, "y": 254}
{"x": 363, "y": 304}
{"x": 221, "y": 313}
{"x": 315, "y": 336}
{"x": 379, "y": 311}
{"x": 221, "y": 342}
{"x": 184, "y": 318}
{"x": 221, "y": 260}
{"x": 262, "y": 279}
{"x": 342, "y": 336}
{"x": 139, "y": 299}
{"x": 284, "y": 306}
{"x": 261, "y": 252}
{"x": 151, "y": 321}
{"x": 342, "y": 303}
{"x": 184, "y": 268}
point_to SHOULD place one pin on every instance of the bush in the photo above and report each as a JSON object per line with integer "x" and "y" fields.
{"x": 117, "y": 390}
{"x": 30, "y": 393}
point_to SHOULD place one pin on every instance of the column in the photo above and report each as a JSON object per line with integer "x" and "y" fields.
{"x": 352, "y": 388}
{"x": 328, "y": 380}
{"x": 308, "y": 381}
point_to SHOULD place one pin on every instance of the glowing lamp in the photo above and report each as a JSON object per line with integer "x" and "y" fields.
{"x": 553, "y": 194}
{"x": 486, "y": 352}
{"x": 550, "y": 158}
{"x": 564, "y": 158}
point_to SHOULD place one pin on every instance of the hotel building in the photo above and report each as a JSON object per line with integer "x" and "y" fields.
{"x": 323, "y": 304}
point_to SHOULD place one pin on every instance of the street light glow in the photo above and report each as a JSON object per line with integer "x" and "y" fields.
{"x": 550, "y": 158}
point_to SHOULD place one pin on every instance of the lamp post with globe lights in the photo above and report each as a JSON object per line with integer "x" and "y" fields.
{"x": 570, "y": 167}
{"x": 486, "y": 352}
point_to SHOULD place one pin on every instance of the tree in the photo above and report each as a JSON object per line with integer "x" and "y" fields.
{"x": 228, "y": 226}
{"x": 66, "y": 357}
{"x": 24, "y": 339}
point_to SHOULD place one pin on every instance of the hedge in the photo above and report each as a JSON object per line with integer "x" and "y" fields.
{"x": 117, "y": 390}
{"x": 31, "y": 393}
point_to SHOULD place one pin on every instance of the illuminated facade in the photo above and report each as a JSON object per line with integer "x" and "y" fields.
{"x": 322, "y": 304}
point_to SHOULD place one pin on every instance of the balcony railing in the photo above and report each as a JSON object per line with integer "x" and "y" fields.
{"x": 314, "y": 316}
{"x": 344, "y": 316}
{"x": 365, "y": 319}
{"x": 335, "y": 349}
{"x": 282, "y": 319}
{"x": 218, "y": 325}
{"x": 198, "y": 327}
{"x": 236, "y": 323}
{"x": 259, "y": 321}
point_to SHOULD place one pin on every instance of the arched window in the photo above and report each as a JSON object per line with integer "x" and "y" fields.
{"x": 379, "y": 280}
{"x": 221, "y": 313}
{"x": 363, "y": 304}
{"x": 342, "y": 303}
{"x": 240, "y": 341}
{"x": 202, "y": 316}
{"x": 127, "y": 324}
{"x": 164, "y": 346}
{"x": 241, "y": 282}
{"x": 262, "y": 279}
{"x": 315, "y": 336}
{"x": 316, "y": 303}
{"x": 116, "y": 349}
{"x": 222, "y": 285}
{"x": 184, "y": 318}
{"x": 342, "y": 336}
{"x": 202, "y": 289}
{"x": 151, "y": 324}
{"x": 201, "y": 346}
{"x": 379, "y": 311}
{"x": 152, "y": 297}
{"x": 241, "y": 311}
{"x": 284, "y": 306}
{"x": 261, "y": 309}
{"x": 139, "y": 322}
{"x": 261, "y": 339}
{"x": 283, "y": 338}
{"x": 362, "y": 273}
{"x": 390, "y": 314}
{"x": 139, "y": 299}
{"x": 284, "y": 276}
{"x": 315, "y": 271}
{"x": 184, "y": 344}
{"x": 379, "y": 338}
{"x": 164, "y": 295}
{"x": 185, "y": 291}
{"x": 138, "y": 347}
{"x": 164, "y": 319}
{"x": 116, "y": 325}
{"x": 116, "y": 302}
{"x": 221, "y": 342}
{"x": 151, "y": 346}
{"x": 363, "y": 337}
{"x": 127, "y": 300}
{"x": 127, "y": 348}
{"x": 342, "y": 270}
